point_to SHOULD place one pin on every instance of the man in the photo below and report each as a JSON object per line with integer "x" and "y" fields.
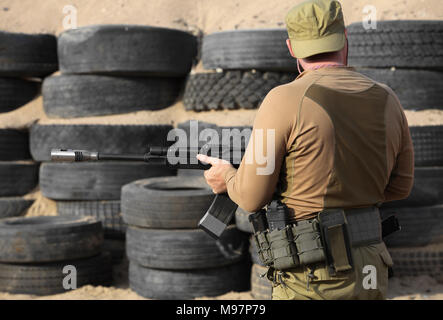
{"x": 341, "y": 141}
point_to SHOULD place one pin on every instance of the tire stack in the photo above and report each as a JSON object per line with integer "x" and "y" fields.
{"x": 114, "y": 69}
{"x": 24, "y": 60}
{"x": 18, "y": 174}
{"x": 418, "y": 248}
{"x": 49, "y": 255}
{"x": 94, "y": 188}
{"x": 408, "y": 57}
{"x": 252, "y": 62}
{"x": 169, "y": 258}
{"x": 108, "y": 69}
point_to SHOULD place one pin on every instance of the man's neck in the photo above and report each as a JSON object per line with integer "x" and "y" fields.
{"x": 320, "y": 65}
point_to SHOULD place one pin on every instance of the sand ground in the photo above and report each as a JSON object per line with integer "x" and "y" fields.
{"x": 406, "y": 288}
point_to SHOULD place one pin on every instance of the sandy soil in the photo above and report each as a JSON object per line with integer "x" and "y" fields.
{"x": 196, "y": 16}
{"x": 208, "y": 15}
{"x": 417, "y": 288}
{"x": 42, "y": 206}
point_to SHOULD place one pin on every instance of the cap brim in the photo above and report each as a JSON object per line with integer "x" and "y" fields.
{"x": 307, "y": 48}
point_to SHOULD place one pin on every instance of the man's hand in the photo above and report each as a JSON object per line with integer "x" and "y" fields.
{"x": 215, "y": 177}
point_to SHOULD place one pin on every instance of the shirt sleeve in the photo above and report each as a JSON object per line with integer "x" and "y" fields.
{"x": 253, "y": 184}
{"x": 402, "y": 176}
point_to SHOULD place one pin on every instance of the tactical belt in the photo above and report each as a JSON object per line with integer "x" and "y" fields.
{"x": 328, "y": 238}
{"x": 364, "y": 225}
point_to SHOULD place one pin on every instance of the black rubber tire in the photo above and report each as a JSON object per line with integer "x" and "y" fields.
{"x": 428, "y": 145}
{"x": 231, "y": 89}
{"x": 418, "y": 261}
{"x": 14, "y": 207}
{"x": 426, "y": 191}
{"x": 190, "y": 173}
{"x": 72, "y": 96}
{"x": 400, "y": 43}
{"x": 416, "y": 89}
{"x": 14, "y": 145}
{"x": 188, "y": 284}
{"x": 48, "y": 239}
{"x": 242, "y": 222}
{"x": 93, "y": 180}
{"x": 111, "y": 139}
{"x": 17, "y": 179}
{"x": 116, "y": 248}
{"x": 47, "y": 279}
{"x": 420, "y": 226}
{"x": 261, "y": 287}
{"x": 184, "y": 249}
{"x": 106, "y": 211}
{"x": 28, "y": 55}
{"x": 126, "y": 50}
{"x": 263, "y": 49}
{"x": 15, "y": 93}
{"x": 166, "y": 203}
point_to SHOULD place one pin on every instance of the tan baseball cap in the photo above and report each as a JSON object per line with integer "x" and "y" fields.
{"x": 316, "y": 26}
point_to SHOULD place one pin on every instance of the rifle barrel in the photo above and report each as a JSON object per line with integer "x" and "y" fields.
{"x": 121, "y": 157}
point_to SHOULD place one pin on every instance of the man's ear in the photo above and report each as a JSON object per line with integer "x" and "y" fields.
{"x": 288, "y": 43}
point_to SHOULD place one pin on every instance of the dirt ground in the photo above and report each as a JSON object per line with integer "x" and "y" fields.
{"x": 206, "y": 16}
{"x": 406, "y": 288}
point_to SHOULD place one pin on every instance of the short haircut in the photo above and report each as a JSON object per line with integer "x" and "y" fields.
{"x": 327, "y": 56}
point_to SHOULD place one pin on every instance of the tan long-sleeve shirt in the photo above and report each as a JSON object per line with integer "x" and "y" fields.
{"x": 341, "y": 141}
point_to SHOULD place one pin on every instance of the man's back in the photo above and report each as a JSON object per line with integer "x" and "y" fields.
{"x": 349, "y": 131}
{"x": 342, "y": 139}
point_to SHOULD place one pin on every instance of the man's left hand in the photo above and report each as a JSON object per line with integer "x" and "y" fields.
{"x": 215, "y": 177}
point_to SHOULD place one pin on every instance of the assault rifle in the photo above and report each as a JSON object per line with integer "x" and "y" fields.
{"x": 222, "y": 209}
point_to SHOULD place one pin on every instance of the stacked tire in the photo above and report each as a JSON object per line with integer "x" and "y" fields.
{"x": 418, "y": 248}
{"x": 94, "y": 188}
{"x": 242, "y": 66}
{"x": 24, "y": 60}
{"x": 407, "y": 56}
{"x": 18, "y": 173}
{"x": 49, "y": 255}
{"x": 169, "y": 258}
{"x": 114, "y": 69}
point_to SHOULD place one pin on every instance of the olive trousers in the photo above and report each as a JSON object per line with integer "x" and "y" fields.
{"x": 368, "y": 280}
